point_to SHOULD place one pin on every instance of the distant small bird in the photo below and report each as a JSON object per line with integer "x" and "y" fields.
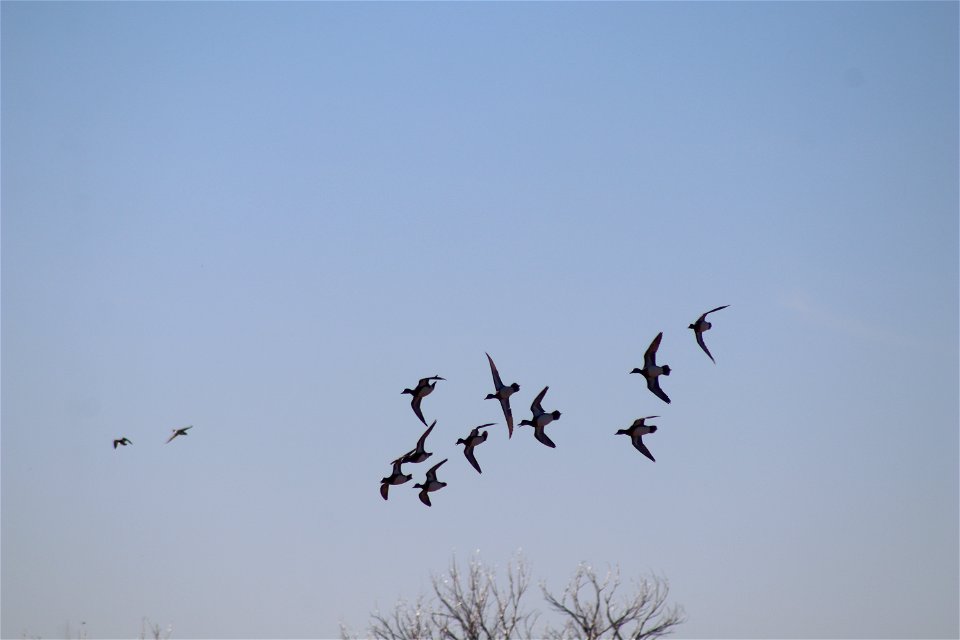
{"x": 419, "y": 454}
{"x": 541, "y": 419}
{"x": 502, "y": 393}
{"x": 179, "y": 432}
{"x": 651, "y": 371}
{"x": 702, "y": 325}
{"x": 122, "y": 442}
{"x": 474, "y": 439}
{"x": 636, "y": 431}
{"x": 397, "y": 477}
{"x": 421, "y": 391}
{"x": 431, "y": 483}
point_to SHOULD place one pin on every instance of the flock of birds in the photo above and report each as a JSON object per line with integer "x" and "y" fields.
{"x": 177, "y": 431}
{"x": 539, "y": 419}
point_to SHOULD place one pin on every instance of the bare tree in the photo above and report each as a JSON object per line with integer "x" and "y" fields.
{"x": 593, "y": 610}
{"x": 405, "y": 622}
{"x": 155, "y": 630}
{"x": 475, "y": 605}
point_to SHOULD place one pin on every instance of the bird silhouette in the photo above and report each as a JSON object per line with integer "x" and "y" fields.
{"x": 702, "y": 325}
{"x": 431, "y": 483}
{"x": 636, "y": 431}
{"x": 651, "y": 371}
{"x": 421, "y": 391}
{"x": 474, "y": 439}
{"x": 502, "y": 393}
{"x": 419, "y": 454}
{"x": 541, "y": 419}
{"x": 397, "y": 477}
{"x": 179, "y": 432}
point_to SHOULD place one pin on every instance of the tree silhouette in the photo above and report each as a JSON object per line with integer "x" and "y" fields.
{"x": 476, "y": 605}
{"x": 592, "y": 609}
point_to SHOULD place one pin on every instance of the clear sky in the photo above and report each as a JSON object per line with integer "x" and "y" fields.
{"x": 267, "y": 219}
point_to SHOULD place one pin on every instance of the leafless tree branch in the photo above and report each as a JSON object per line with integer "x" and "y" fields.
{"x": 472, "y": 604}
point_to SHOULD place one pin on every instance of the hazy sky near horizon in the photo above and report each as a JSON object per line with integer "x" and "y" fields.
{"x": 267, "y": 219}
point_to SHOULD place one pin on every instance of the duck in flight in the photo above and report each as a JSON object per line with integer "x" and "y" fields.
{"x": 702, "y": 325}
{"x": 474, "y": 439}
{"x": 541, "y": 419}
{"x": 179, "y": 432}
{"x": 122, "y": 442}
{"x": 431, "y": 483}
{"x": 397, "y": 477}
{"x": 651, "y": 370}
{"x": 502, "y": 393}
{"x": 422, "y": 390}
{"x": 636, "y": 431}
{"x": 419, "y": 454}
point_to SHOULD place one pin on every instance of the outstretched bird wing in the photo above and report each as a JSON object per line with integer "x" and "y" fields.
{"x": 423, "y": 438}
{"x": 703, "y": 345}
{"x": 399, "y": 461}
{"x": 536, "y": 407}
{"x": 654, "y": 385}
{"x": 425, "y": 497}
{"x": 704, "y": 316}
{"x": 497, "y": 383}
{"x": 508, "y": 414}
{"x": 650, "y": 355}
{"x": 468, "y": 452}
{"x": 642, "y": 448}
{"x": 540, "y": 435}
{"x": 432, "y": 472}
{"x": 415, "y": 403}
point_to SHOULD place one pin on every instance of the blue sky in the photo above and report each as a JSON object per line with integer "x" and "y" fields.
{"x": 266, "y": 220}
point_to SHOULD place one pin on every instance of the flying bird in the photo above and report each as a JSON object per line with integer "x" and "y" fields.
{"x": 636, "y": 431}
{"x": 431, "y": 483}
{"x": 122, "y": 442}
{"x": 178, "y": 432}
{"x": 702, "y": 325}
{"x": 397, "y": 477}
{"x": 502, "y": 393}
{"x": 541, "y": 419}
{"x": 651, "y": 371}
{"x": 419, "y": 454}
{"x": 422, "y": 390}
{"x": 474, "y": 439}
